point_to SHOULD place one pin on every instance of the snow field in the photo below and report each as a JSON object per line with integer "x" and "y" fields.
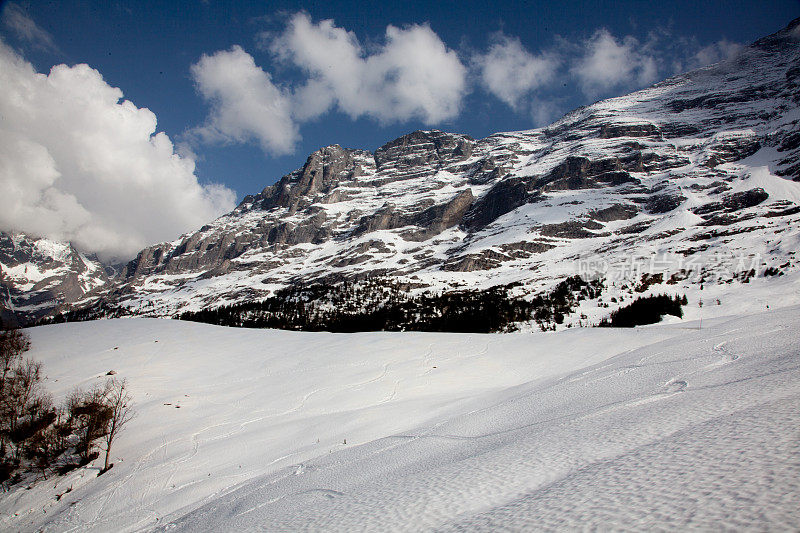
{"x": 660, "y": 427}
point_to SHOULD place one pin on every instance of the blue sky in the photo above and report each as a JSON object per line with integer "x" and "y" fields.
{"x": 281, "y": 79}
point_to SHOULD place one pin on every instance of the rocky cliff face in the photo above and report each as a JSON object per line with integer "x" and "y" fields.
{"x": 38, "y": 276}
{"x": 698, "y": 167}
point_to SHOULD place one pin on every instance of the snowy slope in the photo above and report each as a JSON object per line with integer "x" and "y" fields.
{"x": 667, "y": 426}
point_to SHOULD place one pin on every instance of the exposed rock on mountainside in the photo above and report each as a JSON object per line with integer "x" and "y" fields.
{"x": 38, "y": 276}
{"x": 710, "y": 156}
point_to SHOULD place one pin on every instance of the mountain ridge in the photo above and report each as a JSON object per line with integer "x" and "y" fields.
{"x": 701, "y": 164}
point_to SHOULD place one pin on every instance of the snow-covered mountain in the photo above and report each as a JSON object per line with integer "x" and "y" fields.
{"x": 698, "y": 164}
{"x": 695, "y": 178}
{"x": 38, "y": 276}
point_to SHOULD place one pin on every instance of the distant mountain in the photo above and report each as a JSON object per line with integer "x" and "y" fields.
{"x": 698, "y": 173}
{"x": 41, "y": 276}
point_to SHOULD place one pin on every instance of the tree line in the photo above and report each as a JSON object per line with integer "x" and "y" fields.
{"x": 645, "y": 310}
{"x": 383, "y": 304}
{"x": 386, "y": 305}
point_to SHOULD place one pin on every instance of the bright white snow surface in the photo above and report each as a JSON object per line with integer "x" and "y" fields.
{"x": 662, "y": 427}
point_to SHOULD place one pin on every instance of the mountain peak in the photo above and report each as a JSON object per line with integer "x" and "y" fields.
{"x": 38, "y": 276}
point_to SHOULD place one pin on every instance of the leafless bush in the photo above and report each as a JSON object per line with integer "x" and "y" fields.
{"x": 36, "y": 436}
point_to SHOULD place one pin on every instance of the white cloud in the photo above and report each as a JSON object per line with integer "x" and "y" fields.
{"x": 687, "y": 54}
{"x": 510, "y": 72}
{"x": 607, "y": 63}
{"x": 77, "y": 163}
{"x": 412, "y": 75}
{"x": 246, "y": 105}
{"x": 714, "y": 53}
{"x": 18, "y": 21}
{"x": 545, "y": 111}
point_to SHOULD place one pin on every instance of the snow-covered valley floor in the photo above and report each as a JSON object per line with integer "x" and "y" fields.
{"x": 662, "y": 427}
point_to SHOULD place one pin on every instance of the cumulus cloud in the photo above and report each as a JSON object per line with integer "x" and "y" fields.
{"x": 601, "y": 65}
{"x": 411, "y": 75}
{"x": 78, "y": 163}
{"x": 605, "y": 63}
{"x": 509, "y": 72}
{"x": 17, "y": 20}
{"x": 245, "y": 104}
{"x": 608, "y": 63}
